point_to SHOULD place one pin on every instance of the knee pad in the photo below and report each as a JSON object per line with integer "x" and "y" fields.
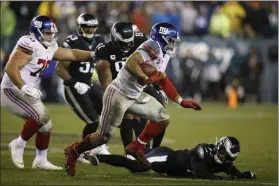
{"x": 164, "y": 114}
{"x": 47, "y": 127}
{"x": 44, "y": 117}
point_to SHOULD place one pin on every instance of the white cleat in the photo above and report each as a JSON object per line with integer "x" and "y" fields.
{"x": 45, "y": 165}
{"x": 103, "y": 149}
{"x": 81, "y": 158}
{"x": 16, "y": 154}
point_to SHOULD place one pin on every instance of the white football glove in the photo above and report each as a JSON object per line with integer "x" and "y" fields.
{"x": 30, "y": 91}
{"x": 81, "y": 88}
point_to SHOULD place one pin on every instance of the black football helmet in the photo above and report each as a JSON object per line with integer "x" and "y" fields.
{"x": 227, "y": 150}
{"x": 87, "y": 25}
{"x": 122, "y": 36}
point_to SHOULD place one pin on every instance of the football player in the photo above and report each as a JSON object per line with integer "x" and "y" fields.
{"x": 111, "y": 57}
{"x": 20, "y": 92}
{"x": 125, "y": 95}
{"x": 201, "y": 161}
{"x": 83, "y": 97}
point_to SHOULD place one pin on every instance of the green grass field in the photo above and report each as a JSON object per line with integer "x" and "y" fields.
{"x": 254, "y": 125}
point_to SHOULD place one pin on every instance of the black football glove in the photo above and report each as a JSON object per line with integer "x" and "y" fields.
{"x": 247, "y": 175}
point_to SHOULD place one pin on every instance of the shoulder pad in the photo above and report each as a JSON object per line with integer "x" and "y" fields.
{"x": 101, "y": 51}
{"x": 200, "y": 151}
{"x": 27, "y": 44}
{"x": 152, "y": 48}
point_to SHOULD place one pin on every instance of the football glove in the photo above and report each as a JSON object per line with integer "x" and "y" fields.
{"x": 190, "y": 104}
{"x": 81, "y": 88}
{"x": 247, "y": 174}
{"x": 32, "y": 92}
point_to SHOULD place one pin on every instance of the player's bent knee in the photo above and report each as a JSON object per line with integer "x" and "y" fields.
{"x": 47, "y": 127}
{"x": 44, "y": 117}
{"x": 164, "y": 116}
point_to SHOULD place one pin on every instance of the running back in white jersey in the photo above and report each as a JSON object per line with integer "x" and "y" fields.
{"x": 152, "y": 54}
{"x": 41, "y": 57}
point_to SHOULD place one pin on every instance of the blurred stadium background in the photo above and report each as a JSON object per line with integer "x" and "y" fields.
{"x": 226, "y": 49}
{"x": 223, "y": 45}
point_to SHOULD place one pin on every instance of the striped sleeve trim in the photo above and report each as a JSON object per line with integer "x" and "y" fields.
{"x": 151, "y": 51}
{"x": 25, "y": 49}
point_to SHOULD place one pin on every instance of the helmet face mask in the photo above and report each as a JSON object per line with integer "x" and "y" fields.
{"x": 171, "y": 46}
{"x": 87, "y": 24}
{"x": 122, "y": 36}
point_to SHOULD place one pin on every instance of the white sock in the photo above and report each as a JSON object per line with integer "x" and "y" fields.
{"x": 21, "y": 142}
{"x": 41, "y": 155}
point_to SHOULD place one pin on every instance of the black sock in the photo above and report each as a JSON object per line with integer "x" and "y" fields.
{"x": 126, "y": 131}
{"x": 122, "y": 161}
{"x": 89, "y": 128}
{"x": 157, "y": 140}
{"x": 138, "y": 126}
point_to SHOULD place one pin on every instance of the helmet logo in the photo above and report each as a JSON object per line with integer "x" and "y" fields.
{"x": 38, "y": 24}
{"x": 163, "y": 30}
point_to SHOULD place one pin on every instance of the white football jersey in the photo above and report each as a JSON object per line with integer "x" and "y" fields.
{"x": 31, "y": 72}
{"x": 152, "y": 54}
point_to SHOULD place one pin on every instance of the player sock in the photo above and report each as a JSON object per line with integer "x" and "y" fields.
{"x": 89, "y": 129}
{"x": 42, "y": 140}
{"x": 84, "y": 145}
{"x": 157, "y": 140}
{"x": 30, "y": 127}
{"x": 126, "y": 131}
{"x": 41, "y": 155}
{"x": 21, "y": 142}
{"x": 151, "y": 129}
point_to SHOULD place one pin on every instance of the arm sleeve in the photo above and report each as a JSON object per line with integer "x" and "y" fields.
{"x": 101, "y": 53}
{"x": 26, "y": 44}
{"x": 232, "y": 170}
{"x": 149, "y": 50}
{"x": 199, "y": 169}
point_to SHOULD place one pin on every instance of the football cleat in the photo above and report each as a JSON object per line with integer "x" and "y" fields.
{"x": 44, "y": 165}
{"x": 136, "y": 150}
{"x": 92, "y": 158}
{"x": 82, "y": 158}
{"x": 70, "y": 160}
{"x": 16, "y": 154}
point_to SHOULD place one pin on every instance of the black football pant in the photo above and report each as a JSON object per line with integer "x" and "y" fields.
{"x": 88, "y": 106}
{"x": 157, "y": 158}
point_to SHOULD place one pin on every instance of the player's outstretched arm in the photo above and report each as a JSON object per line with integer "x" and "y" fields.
{"x": 235, "y": 172}
{"x": 64, "y": 54}
{"x": 133, "y": 66}
{"x": 200, "y": 171}
{"x": 17, "y": 60}
{"x": 104, "y": 73}
{"x": 172, "y": 93}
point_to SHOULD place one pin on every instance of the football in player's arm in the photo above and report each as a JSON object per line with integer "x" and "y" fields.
{"x": 200, "y": 162}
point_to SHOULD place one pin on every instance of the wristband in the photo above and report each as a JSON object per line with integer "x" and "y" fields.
{"x": 179, "y": 100}
{"x": 92, "y": 54}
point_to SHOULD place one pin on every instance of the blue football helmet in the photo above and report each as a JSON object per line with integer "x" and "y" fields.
{"x": 167, "y": 36}
{"x": 44, "y": 29}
